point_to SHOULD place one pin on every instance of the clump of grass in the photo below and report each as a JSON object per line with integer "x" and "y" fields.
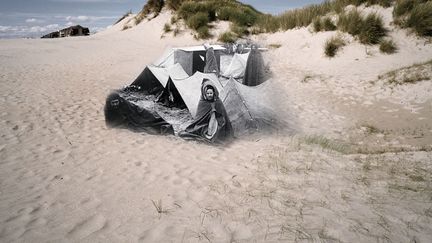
{"x": 420, "y": 19}
{"x": 174, "y": 4}
{"x": 152, "y": 6}
{"x": 197, "y": 20}
{"x": 317, "y": 25}
{"x": 369, "y": 30}
{"x": 173, "y": 19}
{"x": 203, "y": 32}
{"x": 324, "y": 24}
{"x": 228, "y": 37}
{"x": 415, "y": 14}
{"x": 332, "y": 45}
{"x": 123, "y": 17}
{"x": 408, "y": 75}
{"x": 388, "y": 47}
{"x": 350, "y": 22}
{"x": 372, "y": 29}
{"x": 274, "y": 46}
{"x": 167, "y": 28}
{"x": 326, "y": 143}
{"x": 239, "y": 30}
{"x": 328, "y": 24}
{"x": 268, "y": 24}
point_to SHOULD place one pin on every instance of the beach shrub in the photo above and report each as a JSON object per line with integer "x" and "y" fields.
{"x": 239, "y": 30}
{"x": 197, "y": 20}
{"x": 403, "y": 7}
{"x": 191, "y": 8}
{"x": 420, "y": 19}
{"x": 267, "y": 24}
{"x": 388, "y": 46}
{"x": 415, "y": 14}
{"x": 167, "y": 28}
{"x": 174, "y": 4}
{"x": 123, "y": 17}
{"x": 228, "y": 37}
{"x": 328, "y": 24}
{"x": 324, "y": 24}
{"x": 317, "y": 27}
{"x": 350, "y": 22}
{"x": 332, "y": 45}
{"x": 372, "y": 29}
{"x": 203, "y": 32}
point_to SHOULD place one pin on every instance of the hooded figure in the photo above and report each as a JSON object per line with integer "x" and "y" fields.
{"x": 211, "y": 123}
{"x": 211, "y": 62}
{"x": 122, "y": 113}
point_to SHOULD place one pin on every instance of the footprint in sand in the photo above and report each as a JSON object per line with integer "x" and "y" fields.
{"x": 88, "y": 227}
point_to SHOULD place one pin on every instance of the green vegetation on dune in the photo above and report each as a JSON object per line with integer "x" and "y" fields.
{"x": 330, "y": 15}
{"x": 414, "y": 14}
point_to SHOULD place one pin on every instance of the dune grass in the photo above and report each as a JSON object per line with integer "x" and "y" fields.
{"x": 198, "y": 14}
{"x": 332, "y": 46}
{"x": 388, "y": 47}
{"x": 123, "y": 17}
{"x": 414, "y": 14}
{"x": 228, "y": 37}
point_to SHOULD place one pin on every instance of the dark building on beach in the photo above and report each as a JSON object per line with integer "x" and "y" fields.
{"x": 76, "y": 30}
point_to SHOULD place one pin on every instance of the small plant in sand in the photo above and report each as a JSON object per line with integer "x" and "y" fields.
{"x": 325, "y": 24}
{"x": 332, "y": 46}
{"x": 274, "y": 46}
{"x": 151, "y": 7}
{"x": 167, "y": 28}
{"x": 158, "y": 206}
{"x": 124, "y": 16}
{"x": 317, "y": 26}
{"x": 228, "y": 37}
{"x": 388, "y": 46}
{"x": 328, "y": 24}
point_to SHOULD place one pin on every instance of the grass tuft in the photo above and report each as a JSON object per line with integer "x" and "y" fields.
{"x": 420, "y": 19}
{"x": 372, "y": 29}
{"x": 350, "y": 22}
{"x": 228, "y": 37}
{"x": 332, "y": 45}
{"x": 197, "y": 20}
{"x": 167, "y": 28}
{"x": 388, "y": 47}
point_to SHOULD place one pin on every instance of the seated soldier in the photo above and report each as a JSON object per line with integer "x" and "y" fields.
{"x": 211, "y": 123}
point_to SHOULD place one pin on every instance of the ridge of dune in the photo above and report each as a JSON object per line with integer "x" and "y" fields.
{"x": 357, "y": 169}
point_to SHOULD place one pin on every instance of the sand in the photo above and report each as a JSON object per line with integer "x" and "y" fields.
{"x": 355, "y": 166}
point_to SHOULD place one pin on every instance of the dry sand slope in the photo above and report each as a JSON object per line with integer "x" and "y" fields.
{"x": 65, "y": 177}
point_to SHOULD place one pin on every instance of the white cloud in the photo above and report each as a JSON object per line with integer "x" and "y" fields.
{"x": 34, "y": 21}
{"x": 84, "y": 18}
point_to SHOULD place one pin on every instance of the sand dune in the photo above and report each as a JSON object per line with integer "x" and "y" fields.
{"x": 66, "y": 177}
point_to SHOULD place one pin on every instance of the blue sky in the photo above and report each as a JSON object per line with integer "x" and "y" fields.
{"x": 34, "y": 18}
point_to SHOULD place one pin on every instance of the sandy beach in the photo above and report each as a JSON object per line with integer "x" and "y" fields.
{"x": 353, "y": 165}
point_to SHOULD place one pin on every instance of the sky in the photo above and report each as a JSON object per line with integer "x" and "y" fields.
{"x": 34, "y": 18}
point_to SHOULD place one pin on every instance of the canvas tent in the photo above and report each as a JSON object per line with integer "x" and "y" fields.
{"x": 236, "y": 68}
{"x": 192, "y": 58}
{"x": 154, "y": 79}
{"x": 178, "y": 76}
{"x": 250, "y": 108}
{"x": 188, "y": 91}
